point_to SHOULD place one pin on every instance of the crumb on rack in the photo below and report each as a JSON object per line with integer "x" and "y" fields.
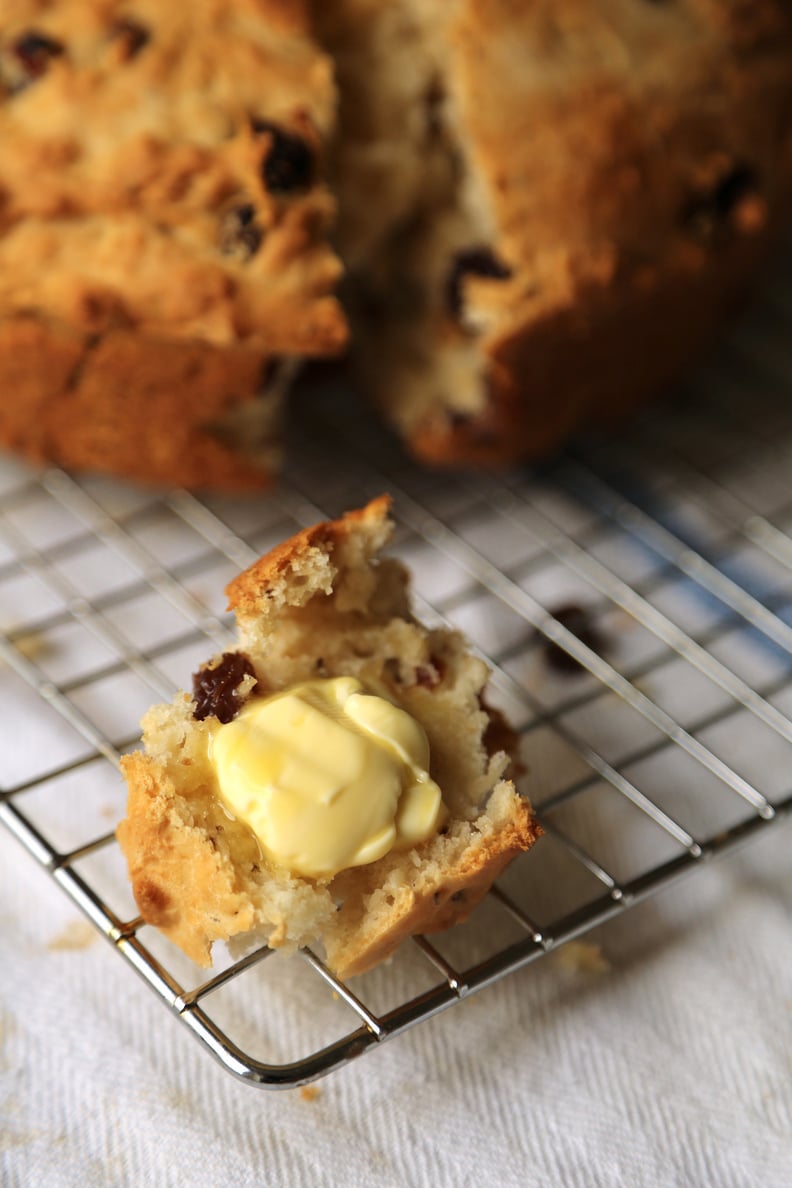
{"x": 310, "y": 1092}
{"x": 32, "y": 646}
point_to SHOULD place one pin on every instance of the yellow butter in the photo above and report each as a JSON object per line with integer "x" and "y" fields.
{"x": 328, "y": 776}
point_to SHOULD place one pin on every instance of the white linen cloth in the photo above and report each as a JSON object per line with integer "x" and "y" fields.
{"x": 672, "y": 1067}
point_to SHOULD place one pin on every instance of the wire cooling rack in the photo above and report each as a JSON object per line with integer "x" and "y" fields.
{"x": 634, "y": 598}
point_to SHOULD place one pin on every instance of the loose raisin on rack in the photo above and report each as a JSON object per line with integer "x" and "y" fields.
{"x": 577, "y": 620}
{"x": 215, "y": 687}
{"x": 132, "y": 37}
{"x": 239, "y": 234}
{"x": 710, "y": 215}
{"x": 475, "y": 261}
{"x": 34, "y": 51}
{"x": 289, "y": 165}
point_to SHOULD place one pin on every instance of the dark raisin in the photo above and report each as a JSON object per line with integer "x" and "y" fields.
{"x": 289, "y": 165}
{"x": 131, "y": 36}
{"x": 239, "y": 234}
{"x": 708, "y": 216}
{"x": 477, "y": 261}
{"x": 577, "y": 620}
{"x": 215, "y": 688}
{"x": 34, "y": 52}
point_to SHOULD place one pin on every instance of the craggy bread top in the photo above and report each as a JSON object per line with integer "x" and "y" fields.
{"x": 162, "y": 170}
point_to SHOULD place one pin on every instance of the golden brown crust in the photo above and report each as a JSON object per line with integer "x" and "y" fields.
{"x": 593, "y": 360}
{"x": 180, "y": 881}
{"x": 163, "y": 217}
{"x": 250, "y": 591}
{"x": 626, "y": 168}
{"x": 662, "y": 191}
{"x": 449, "y": 900}
{"x": 145, "y": 409}
{"x": 620, "y": 118}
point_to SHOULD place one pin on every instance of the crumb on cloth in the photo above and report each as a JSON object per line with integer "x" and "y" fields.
{"x": 582, "y": 957}
{"x": 79, "y": 934}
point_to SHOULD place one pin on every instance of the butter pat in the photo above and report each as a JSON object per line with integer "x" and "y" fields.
{"x": 328, "y": 776}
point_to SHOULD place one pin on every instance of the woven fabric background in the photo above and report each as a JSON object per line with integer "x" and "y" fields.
{"x": 671, "y": 1067}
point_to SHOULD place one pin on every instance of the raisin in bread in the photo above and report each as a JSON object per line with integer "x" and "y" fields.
{"x": 162, "y": 232}
{"x": 322, "y": 604}
{"x": 547, "y": 208}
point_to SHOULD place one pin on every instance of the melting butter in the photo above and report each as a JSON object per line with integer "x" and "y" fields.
{"x": 328, "y": 776}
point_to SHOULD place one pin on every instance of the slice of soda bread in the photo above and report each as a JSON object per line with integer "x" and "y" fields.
{"x": 322, "y": 606}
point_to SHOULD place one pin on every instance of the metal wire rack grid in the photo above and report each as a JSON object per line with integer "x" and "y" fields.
{"x": 662, "y": 740}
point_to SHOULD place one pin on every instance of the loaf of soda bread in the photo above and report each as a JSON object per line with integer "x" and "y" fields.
{"x": 322, "y": 605}
{"x": 547, "y": 208}
{"x": 163, "y": 218}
